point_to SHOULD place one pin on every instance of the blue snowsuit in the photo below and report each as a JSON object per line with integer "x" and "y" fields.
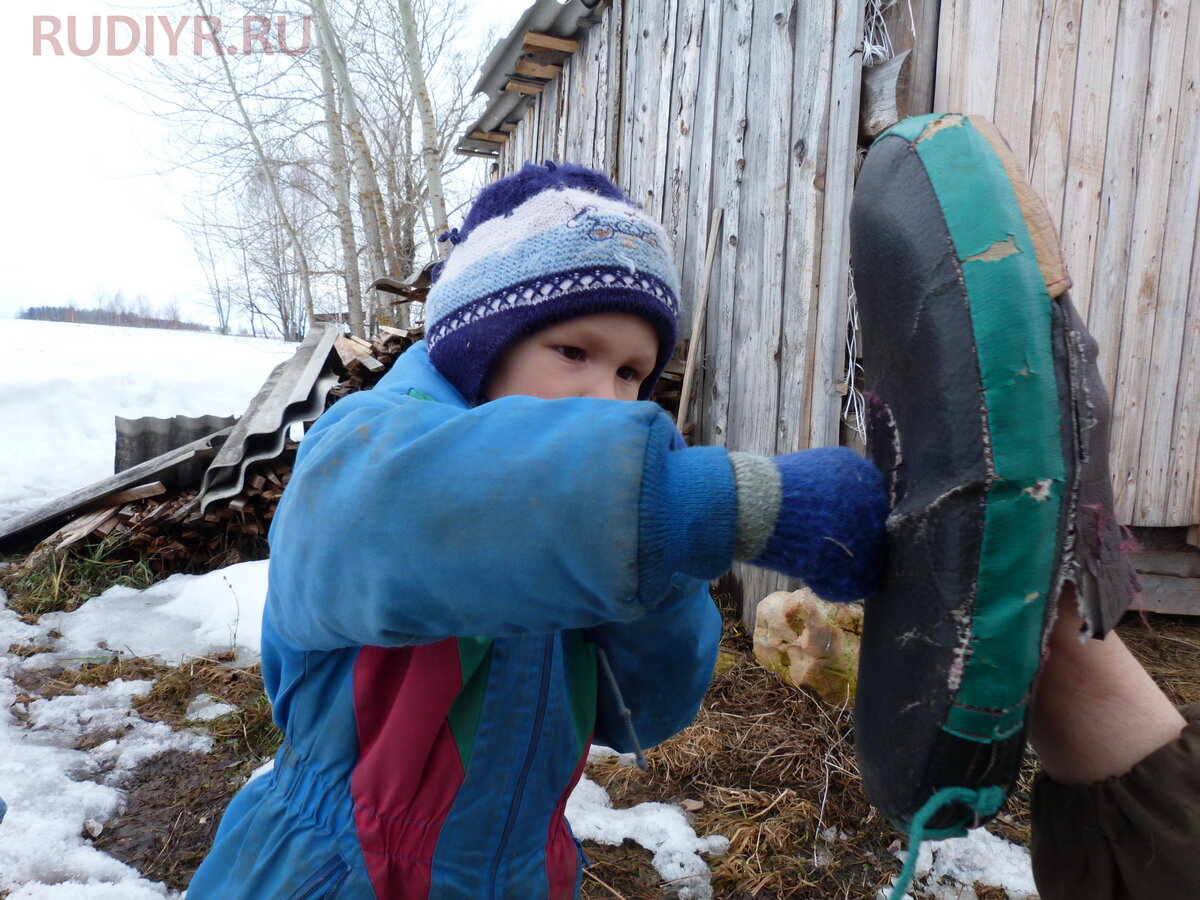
{"x": 440, "y": 578}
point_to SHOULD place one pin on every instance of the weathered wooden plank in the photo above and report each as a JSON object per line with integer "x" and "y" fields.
{"x": 30, "y": 527}
{"x": 810, "y": 90}
{"x": 728, "y": 164}
{"x": 565, "y": 83}
{"x": 537, "y": 41}
{"x": 978, "y": 89}
{"x": 1184, "y": 501}
{"x": 880, "y": 106}
{"x": 633, "y": 103}
{"x": 951, "y": 58}
{"x": 1169, "y": 454}
{"x": 1172, "y": 596}
{"x": 1139, "y": 356}
{"x": 615, "y": 97}
{"x": 1054, "y": 105}
{"x": 913, "y": 26}
{"x": 530, "y": 69}
{"x": 1017, "y": 74}
{"x": 757, "y": 314}
{"x": 1080, "y": 224}
{"x": 679, "y": 142}
{"x": 1162, "y": 562}
{"x": 832, "y": 301}
{"x": 704, "y": 131}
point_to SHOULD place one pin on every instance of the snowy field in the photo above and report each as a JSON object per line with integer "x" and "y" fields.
{"x": 60, "y": 386}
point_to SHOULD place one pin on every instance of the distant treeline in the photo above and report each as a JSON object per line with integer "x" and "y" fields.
{"x": 121, "y": 317}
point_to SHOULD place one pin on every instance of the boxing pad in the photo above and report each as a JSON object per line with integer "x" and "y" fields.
{"x": 988, "y": 418}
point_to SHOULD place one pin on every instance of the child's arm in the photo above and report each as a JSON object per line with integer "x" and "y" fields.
{"x": 407, "y": 521}
{"x": 663, "y": 663}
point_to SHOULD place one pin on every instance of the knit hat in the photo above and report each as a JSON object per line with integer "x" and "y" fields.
{"x": 544, "y": 245}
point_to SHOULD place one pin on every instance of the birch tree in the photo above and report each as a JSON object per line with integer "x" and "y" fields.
{"x": 341, "y": 180}
{"x": 269, "y": 177}
{"x": 430, "y": 150}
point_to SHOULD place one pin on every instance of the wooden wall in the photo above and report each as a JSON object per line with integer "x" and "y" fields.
{"x": 750, "y": 106}
{"x": 1100, "y": 100}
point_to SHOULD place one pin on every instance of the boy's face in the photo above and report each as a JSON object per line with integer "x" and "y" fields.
{"x": 605, "y": 355}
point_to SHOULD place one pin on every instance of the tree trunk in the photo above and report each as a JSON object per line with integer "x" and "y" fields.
{"x": 370, "y": 198}
{"x": 429, "y": 149}
{"x": 272, "y": 184}
{"x": 341, "y": 183}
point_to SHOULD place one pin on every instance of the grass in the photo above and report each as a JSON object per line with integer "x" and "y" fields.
{"x": 766, "y": 765}
{"x": 175, "y": 800}
{"x": 60, "y": 582}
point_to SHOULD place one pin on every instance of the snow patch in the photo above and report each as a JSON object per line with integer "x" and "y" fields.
{"x": 659, "y": 827}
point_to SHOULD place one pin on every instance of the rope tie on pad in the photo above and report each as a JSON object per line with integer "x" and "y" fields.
{"x": 983, "y": 802}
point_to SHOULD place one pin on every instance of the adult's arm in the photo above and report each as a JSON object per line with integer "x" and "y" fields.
{"x": 1116, "y": 810}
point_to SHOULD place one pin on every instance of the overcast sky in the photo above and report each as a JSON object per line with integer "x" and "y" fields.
{"x": 82, "y": 206}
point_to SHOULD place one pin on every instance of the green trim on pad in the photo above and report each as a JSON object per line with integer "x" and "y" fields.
{"x": 1012, "y": 316}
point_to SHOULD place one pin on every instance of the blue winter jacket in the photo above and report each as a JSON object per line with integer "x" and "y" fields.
{"x": 440, "y": 578}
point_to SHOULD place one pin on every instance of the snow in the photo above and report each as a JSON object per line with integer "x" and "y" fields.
{"x": 661, "y": 828}
{"x": 948, "y": 870}
{"x": 57, "y": 785}
{"x": 61, "y": 385}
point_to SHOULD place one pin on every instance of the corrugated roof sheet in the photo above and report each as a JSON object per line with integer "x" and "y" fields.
{"x": 565, "y": 20}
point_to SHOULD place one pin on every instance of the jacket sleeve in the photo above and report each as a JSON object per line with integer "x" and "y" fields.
{"x": 409, "y": 520}
{"x": 1132, "y": 837}
{"x": 663, "y": 664}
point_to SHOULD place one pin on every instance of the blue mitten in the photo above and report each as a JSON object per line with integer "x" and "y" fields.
{"x": 818, "y": 515}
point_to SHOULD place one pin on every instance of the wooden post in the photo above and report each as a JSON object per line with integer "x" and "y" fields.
{"x": 913, "y": 25}
{"x": 685, "y": 391}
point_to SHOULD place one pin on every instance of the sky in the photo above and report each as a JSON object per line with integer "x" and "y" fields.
{"x": 88, "y": 203}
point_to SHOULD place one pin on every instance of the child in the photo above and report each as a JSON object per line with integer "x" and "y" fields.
{"x": 472, "y": 554}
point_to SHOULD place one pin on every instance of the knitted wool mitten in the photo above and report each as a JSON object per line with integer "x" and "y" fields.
{"x": 817, "y": 514}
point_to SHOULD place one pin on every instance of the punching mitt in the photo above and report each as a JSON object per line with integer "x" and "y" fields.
{"x": 989, "y": 421}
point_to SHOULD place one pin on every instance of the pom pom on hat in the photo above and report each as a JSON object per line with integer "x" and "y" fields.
{"x": 546, "y": 244}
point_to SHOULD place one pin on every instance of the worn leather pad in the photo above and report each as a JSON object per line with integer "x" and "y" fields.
{"x": 982, "y": 398}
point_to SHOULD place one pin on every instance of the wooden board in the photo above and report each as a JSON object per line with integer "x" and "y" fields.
{"x": 1170, "y": 595}
{"x": 838, "y": 186}
{"x": 1141, "y": 361}
{"x": 1169, "y": 456}
{"x": 537, "y": 41}
{"x": 1080, "y": 228}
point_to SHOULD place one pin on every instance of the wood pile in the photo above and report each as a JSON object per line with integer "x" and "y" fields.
{"x": 169, "y": 532}
{"x": 366, "y": 361}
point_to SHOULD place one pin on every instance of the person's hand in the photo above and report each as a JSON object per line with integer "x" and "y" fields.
{"x": 817, "y": 515}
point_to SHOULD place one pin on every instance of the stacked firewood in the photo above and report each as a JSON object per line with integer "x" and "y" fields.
{"x": 365, "y": 361}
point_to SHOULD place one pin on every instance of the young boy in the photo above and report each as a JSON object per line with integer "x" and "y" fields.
{"x": 468, "y": 552}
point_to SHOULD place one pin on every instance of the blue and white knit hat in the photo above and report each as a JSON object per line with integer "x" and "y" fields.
{"x": 544, "y": 245}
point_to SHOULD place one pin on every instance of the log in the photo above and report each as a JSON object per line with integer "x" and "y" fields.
{"x": 521, "y": 87}
{"x": 883, "y": 93}
{"x": 535, "y": 40}
{"x": 531, "y": 69}
{"x": 153, "y": 489}
{"x": 1170, "y": 595}
{"x": 1178, "y": 564}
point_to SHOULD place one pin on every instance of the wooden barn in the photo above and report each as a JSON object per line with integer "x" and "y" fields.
{"x": 757, "y": 111}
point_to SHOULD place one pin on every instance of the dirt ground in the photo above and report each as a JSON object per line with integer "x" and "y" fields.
{"x": 766, "y": 765}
